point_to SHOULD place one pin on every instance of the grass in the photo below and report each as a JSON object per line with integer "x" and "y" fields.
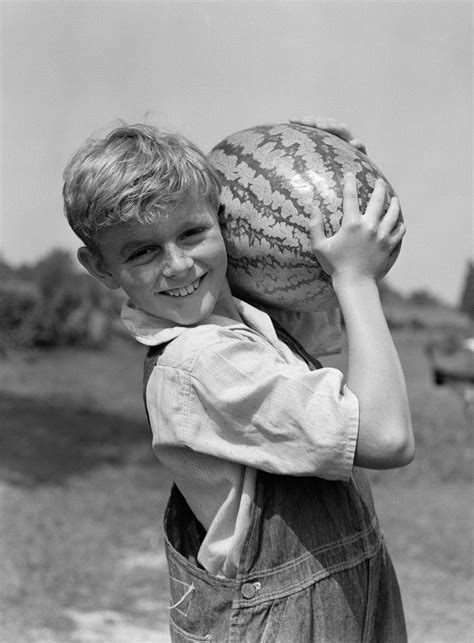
{"x": 82, "y": 498}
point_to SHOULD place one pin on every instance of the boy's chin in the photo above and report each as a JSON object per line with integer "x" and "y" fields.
{"x": 193, "y": 318}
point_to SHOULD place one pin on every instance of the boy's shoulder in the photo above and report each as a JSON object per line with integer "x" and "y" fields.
{"x": 181, "y": 347}
{"x": 192, "y": 343}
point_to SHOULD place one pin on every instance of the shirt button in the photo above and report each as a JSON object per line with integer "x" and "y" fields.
{"x": 249, "y": 589}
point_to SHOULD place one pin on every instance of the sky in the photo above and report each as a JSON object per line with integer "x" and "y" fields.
{"x": 399, "y": 73}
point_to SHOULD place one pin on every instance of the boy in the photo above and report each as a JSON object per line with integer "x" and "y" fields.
{"x": 270, "y": 529}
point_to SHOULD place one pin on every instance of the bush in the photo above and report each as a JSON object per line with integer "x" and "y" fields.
{"x": 49, "y": 304}
{"x": 424, "y": 298}
{"x": 467, "y": 297}
{"x": 68, "y": 318}
{"x": 19, "y": 300}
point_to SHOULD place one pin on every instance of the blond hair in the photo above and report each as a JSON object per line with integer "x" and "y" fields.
{"x": 133, "y": 173}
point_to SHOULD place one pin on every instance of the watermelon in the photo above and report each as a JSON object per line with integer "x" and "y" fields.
{"x": 272, "y": 175}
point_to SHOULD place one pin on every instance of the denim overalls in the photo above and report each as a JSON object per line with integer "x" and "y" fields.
{"x": 314, "y": 566}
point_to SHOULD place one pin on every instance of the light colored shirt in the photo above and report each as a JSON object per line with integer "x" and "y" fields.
{"x": 227, "y": 398}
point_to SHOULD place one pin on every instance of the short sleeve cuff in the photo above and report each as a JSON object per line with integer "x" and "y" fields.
{"x": 349, "y": 442}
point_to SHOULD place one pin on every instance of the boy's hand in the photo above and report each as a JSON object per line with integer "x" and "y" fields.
{"x": 332, "y": 126}
{"x": 361, "y": 248}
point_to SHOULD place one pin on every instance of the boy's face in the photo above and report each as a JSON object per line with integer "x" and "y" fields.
{"x": 173, "y": 268}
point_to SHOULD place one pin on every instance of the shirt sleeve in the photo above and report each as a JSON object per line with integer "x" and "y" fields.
{"x": 240, "y": 401}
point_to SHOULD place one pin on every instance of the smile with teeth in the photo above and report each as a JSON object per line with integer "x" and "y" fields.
{"x": 185, "y": 291}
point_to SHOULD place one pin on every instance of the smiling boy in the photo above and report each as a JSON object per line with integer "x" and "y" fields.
{"x": 270, "y": 530}
{"x": 173, "y": 268}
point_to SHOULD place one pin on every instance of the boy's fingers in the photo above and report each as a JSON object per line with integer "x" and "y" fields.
{"x": 376, "y": 205}
{"x": 340, "y": 129}
{"x": 326, "y": 123}
{"x": 314, "y": 121}
{"x": 398, "y": 234}
{"x": 310, "y": 121}
{"x": 350, "y": 203}
{"x": 331, "y": 125}
{"x": 316, "y": 226}
{"x": 355, "y": 142}
{"x": 391, "y": 218}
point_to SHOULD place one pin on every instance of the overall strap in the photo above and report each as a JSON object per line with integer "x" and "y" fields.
{"x": 151, "y": 358}
{"x": 295, "y": 346}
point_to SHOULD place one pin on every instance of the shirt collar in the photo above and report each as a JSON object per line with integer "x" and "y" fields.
{"x": 152, "y": 331}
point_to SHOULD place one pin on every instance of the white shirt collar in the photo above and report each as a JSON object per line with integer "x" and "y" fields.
{"x": 152, "y": 331}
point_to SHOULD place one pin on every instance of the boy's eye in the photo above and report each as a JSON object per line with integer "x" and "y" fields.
{"x": 141, "y": 253}
{"x": 192, "y": 232}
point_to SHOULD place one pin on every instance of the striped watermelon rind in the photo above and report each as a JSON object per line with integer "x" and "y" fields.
{"x": 272, "y": 175}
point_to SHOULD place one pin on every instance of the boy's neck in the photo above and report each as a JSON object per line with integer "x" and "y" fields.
{"x": 225, "y": 306}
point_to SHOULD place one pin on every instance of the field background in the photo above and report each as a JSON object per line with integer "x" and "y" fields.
{"x": 81, "y": 493}
{"x": 82, "y": 498}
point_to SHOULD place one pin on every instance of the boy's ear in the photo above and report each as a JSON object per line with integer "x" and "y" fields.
{"x": 96, "y": 268}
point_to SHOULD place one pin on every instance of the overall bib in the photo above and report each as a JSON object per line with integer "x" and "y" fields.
{"x": 313, "y": 567}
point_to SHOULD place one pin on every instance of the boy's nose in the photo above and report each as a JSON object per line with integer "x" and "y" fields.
{"x": 176, "y": 262}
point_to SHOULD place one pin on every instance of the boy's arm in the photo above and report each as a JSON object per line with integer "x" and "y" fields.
{"x": 356, "y": 256}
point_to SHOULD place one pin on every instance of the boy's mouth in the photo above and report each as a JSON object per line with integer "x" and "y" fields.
{"x": 185, "y": 290}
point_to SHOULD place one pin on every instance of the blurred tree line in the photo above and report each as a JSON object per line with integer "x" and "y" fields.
{"x": 51, "y": 303}
{"x": 422, "y": 309}
{"x": 467, "y": 296}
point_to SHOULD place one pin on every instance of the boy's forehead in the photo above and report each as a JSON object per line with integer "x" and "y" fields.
{"x": 160, "y": 222}
{"x": 192, "y": 205}
{"x": 188, "y": 210}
